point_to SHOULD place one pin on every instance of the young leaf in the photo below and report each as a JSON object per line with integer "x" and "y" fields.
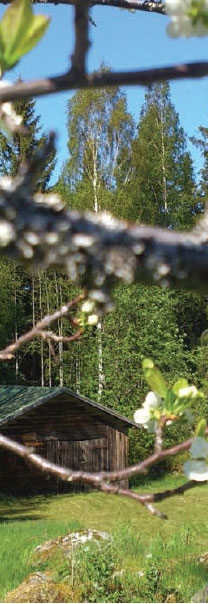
{"x": 169, "y": 401}
{"x": 15, "y": 23}
{"x": 154, "y": 378}
{"x": 20, "y": 31}
{"x": 147, "y": 364}
{"x": 181, "y": 383}
{"x": 201, "y": 427}
{"x": 34, "y": 34}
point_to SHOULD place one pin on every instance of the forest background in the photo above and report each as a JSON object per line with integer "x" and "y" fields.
{"x": 139, "y": 172}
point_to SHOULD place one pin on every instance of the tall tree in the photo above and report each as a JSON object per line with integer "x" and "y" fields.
{"x": 162, "y": 182}
{"x": 100, "y": 133}
{"x": 21, "y": 285}
{"x": 202, "y": 143}
{"x": 21, "y": 148}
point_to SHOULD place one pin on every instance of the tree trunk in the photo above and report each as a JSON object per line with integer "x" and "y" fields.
{"x": 41, "y": 343}
{"x": 60, "y": 331}
{"x": 49, "y": 349}
{"x": 95, "y": 180}
{"x": 16, "y": 330}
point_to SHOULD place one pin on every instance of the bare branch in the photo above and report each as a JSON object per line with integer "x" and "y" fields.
{"x": 81, "y": 23}
{"x": 38, "y": 331}
{"x": 49, "y": 335}
{"x": 94, "y": 478}
{"x": 137, "y": 5}
{"x": 100, "y": 479}
{"x": 159, "y": 434}
{"x": 71, "y": 81}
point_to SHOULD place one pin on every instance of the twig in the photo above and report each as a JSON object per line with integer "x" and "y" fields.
{"x": 49, "y": 335}
{"x": 38, "y": 331}
{"x": 159, "y": 434}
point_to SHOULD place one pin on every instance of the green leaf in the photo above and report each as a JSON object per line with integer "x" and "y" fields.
{"x": 20, "y": 31}
{"x": 154, "y": 378}
{"x": 34, "y": 34}
{"x": 169, "y": 401}
{"x": 201, "y": 427}
{"x": 181, "y": 383}
{"x": 147, "y": 364}
{"x": 15, "y": 23}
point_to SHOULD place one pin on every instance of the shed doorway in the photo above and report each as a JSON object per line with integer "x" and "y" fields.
{"x": 87, "y": 455}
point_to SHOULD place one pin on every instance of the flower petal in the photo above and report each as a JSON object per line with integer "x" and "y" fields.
{"x": 196, "y": 470}
{"x": 199, "y": 448}
{"x": 152, "y": 401}
{"x": 141, "y": 416}
{"x": 190, "y": 391}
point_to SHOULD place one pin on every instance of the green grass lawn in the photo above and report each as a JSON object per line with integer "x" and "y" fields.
{"x": 167, "y": 551}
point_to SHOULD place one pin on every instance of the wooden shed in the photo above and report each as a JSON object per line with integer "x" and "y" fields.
{"x": 64, "y": 427}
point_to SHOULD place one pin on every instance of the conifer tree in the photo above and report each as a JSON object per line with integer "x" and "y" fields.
{"x": 202, "y": 143}
{"x": 162, "y": 188}
{"x": 20, "y": 285}
{"x": 21, "y": 148}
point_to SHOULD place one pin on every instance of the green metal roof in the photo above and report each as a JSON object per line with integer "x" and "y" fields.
{"x": 14, "y": 400}
{"x": 17, "y": 400}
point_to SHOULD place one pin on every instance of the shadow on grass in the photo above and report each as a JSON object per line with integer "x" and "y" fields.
{"x": 20, "y": 510}
{"x": 6, "y": 520}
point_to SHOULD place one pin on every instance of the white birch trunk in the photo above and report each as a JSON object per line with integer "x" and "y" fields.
{"x": 41, "y": 343}
{"x": 101, "y": 376}
{"x": 49, "y": 350}
{"x": 60, "y": 332}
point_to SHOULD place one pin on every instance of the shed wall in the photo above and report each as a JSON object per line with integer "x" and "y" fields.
{"x": 67, "y": 436}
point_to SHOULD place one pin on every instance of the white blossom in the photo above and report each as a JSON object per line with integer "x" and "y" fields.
{"x": 88, "y": 306}
{"x": 92, "y": 320}
{"x": 152, "y": 401}
{"x": 148, "y": 415}
{"x": 196, "y": 468}
{"x": 199, "y": 448}
{"x": 189, "y": 391}
{"x": 182, "y": 23}
{"x": 10, "y": 122}
{"x": 7, "y": 233}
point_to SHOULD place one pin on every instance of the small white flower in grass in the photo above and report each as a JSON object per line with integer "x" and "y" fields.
{"x": 148, "y": 415}
{"x": 197, "y": 467}
{"x": 92, "y": 320}
{"x": 189, "y": 17}
{"x": 88, "y": 306}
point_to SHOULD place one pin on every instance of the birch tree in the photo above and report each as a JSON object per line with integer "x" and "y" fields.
{"x": 100, "y": 131}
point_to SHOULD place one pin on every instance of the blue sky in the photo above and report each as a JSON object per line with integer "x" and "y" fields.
{"x": 124, "y": 41}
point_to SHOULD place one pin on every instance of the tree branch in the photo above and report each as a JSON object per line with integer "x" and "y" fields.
{"x": 137, "y": 5}
{"x": 38, "y": 331}
{"x": 100, "y": 480}
{"x": 72, "y": 80}
{"x": 81, "y": 23}
{"x": 39, "y": 232}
